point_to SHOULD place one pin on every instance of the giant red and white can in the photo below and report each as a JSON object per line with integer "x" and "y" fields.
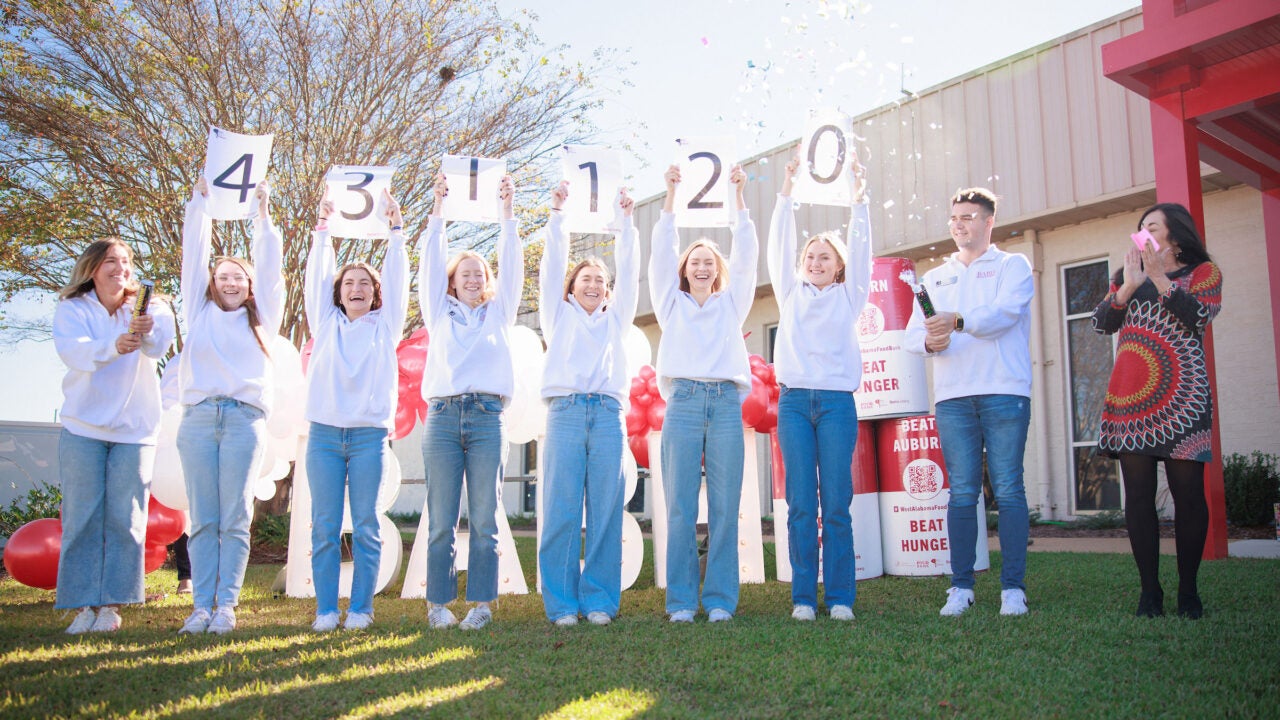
{"x": 864, "y": 510}
{"x": 893, "y": 380}
{"x": 914, "y": 493}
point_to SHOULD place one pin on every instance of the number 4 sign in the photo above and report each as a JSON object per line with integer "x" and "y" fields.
{"x": 473, "y": 188}
{"x": 356, "y": 192}
{"x": 702, "y": 197}
{"x": 825, "y": 152}
{"x": 234, "y": 165}
{"x": 594, "y": 175}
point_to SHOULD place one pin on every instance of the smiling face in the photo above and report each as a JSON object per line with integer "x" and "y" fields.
{"x": 114, "y": 273}
{"x": 822, "y": 263}
{"x": 701, "y": 270}
{"x": 589, "y": 286}
{"x": 971, "y": 226}
{"x": 357, "y": 292}
{"x": 231, "y": 285}
{"x": 469, "y": 281}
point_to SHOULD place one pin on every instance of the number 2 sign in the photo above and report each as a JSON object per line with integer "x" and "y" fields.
{"x": 702, "y": 197}
{"x": 594, "y": 175}
{"x": 825, "y": 152}
{"x": 356, "y": 192}
{"x": 234, "y": 166}
{"x": 473, "y": 188}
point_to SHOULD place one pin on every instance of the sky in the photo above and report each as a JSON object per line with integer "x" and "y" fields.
{"x": 747, "y": 68}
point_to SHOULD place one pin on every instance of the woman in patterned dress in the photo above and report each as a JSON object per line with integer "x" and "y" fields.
{"x": 1158, "y": 404}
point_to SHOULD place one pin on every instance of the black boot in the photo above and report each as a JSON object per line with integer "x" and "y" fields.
{"x": 1151, "y": 604}
{"x": 1189, "y": 606}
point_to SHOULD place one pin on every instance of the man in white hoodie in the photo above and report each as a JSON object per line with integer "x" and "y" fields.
{"x": 978, "y": 340}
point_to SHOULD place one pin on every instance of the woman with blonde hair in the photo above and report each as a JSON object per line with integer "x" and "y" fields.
{"x": 819, "y": 367}
{"x": 356, "y": 316}
{"x": 110, "y": 421}
{"x": 468, "y": 381}
{"x": 701, "y": 301}
{"x": 225, "y": 387}
{"x": 586, "y": 388}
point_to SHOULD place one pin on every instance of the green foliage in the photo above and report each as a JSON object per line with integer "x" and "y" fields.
{"x": 41, "y": 502}
{"x": 406, "y": 518}
{"x": 1105, "y": 520}
{"x": 270, "y": 530}
{"x": 1252, "y": 487}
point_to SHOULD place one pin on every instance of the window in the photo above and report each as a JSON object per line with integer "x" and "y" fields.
{"x": 770, "y": 338}
{"x": 1090, "y": 356}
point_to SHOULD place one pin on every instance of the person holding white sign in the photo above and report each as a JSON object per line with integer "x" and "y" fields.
{"x": 587, "y": 389}
{"x": 225, "y": 387}
{"x": 357, "y": 319}
{"x": 109, "y": 341}
{"x": 468, "y": 381}
{"x": 819, "y": 366}
{"x": 701, "y": 300}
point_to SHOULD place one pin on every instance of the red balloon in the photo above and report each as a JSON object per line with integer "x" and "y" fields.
{"x": 774, "y": 392}
{"x": 406, "y": 418}
{"x": 755, "y": 361}
{"x": 155, "y": 557}
{"x": 639, "y": 445}
{"x": 638, "y": 387}
{"x": 164, "y": 524}
{"x": 31, "y": 555}
{"x": 637, "y": 420}
{"x": 767, "y": 376}
{"x": 306, "y": 353}
{"x": 653, "y": 387}
{"x": 770, "y": 419}
{"x": 756, "y": 404}
{"x": 657, "y": 413}
{"x": 647, "y": 373}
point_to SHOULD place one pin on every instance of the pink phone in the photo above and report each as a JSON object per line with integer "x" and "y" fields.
{"x": 1142, "y": 237}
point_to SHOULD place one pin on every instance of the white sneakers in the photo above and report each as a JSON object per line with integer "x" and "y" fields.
{"x": 439, "y": 617}
{"x": 108, "y": 620}
{"x": 357, "y": 621}
{"x": 958, "y": 600}
{"x": 223, "y": 622}
{"x": 197, "y": 622}
{"x": 327, "y": 622}
{"x": 803, "y": 613}
{"x": 718, "y": 615}
{"x": 83, "y": 622}
{"x": 841, "y": 612}
{"x": 567, "y": 620}
{"x": 477, "y": 617}
{"x": 682, "y": 616}
{"x": 1013, "y": 602}
{"x": 599, "y": 617}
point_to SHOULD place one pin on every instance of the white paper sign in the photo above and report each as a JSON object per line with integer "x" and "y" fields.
{"x": 703, "y": 195}
{"x": 473, "y": 188}
{"x": 826, "y": 150}
{"x": 594, "y": 175}
{"x": 356, "y": 192}
{"x": 234, "y": 166}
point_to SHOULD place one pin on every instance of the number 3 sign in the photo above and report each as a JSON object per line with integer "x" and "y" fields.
{"x": 473, "y": 188}
{"x": 356, "y": 192}
{"x": 594, "y": 175}
{"x": 234, "y": 165}
{"x": 702, "y": 197}
{"x": 825, "y": 152}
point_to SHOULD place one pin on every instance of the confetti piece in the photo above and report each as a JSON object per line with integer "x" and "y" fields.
{"x": 888, "y": 204}
{"x": 705, "y": 41}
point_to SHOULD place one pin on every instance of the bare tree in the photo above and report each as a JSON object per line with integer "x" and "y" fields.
{"x": 105, "y": 110}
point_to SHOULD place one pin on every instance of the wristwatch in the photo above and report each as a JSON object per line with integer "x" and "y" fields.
{"x": 959, "y": 323}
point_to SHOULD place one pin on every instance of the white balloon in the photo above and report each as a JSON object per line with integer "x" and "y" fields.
{"x": 638, "y": 349}
{"x": 286, "y": 417}
{"x": 264, "y": 489}
{"x": 167, "y": 483}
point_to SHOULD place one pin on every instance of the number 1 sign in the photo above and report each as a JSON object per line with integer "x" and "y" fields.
{"x": 594, "y": 175}
{"x": 825, "y": 152}
{"x": 473, "y": 188}
{"x": 702, "y": 197}
{"x": 356, "y": 192}
{"x": 234, "y": 165}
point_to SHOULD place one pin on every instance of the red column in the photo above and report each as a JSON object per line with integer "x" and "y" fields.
{"x": 1271, "y": 230}
{"x": 1177, "y": 164}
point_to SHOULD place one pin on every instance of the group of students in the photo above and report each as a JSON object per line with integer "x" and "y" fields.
{"x": 701, "y": 299}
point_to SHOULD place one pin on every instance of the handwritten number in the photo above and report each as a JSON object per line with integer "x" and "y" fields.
{"x": 595, "y": 184}
{"x": 360, "y": 188}
{"x": 697, "y": 203}
{"x": 245, "y": 186}
{"x": 813, "y": 157}
{"x": 475, "y": 178}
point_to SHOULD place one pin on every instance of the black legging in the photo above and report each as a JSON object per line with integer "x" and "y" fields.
{"x": 1190, "y": 520}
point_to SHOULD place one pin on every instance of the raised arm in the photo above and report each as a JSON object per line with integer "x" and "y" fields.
{"x": 782, "y": 237}
{"x": 554, "y": 265}
{"x": 510, "y": 255}
{"x": 857, "y": 273}
{"x": 433, "y": 282}
{"x": 268, "y": 259}
{"x": 395, "y": 270}
{"x": 197, "y": 248}
{"x": 626, "y": 253}
{"x": 322, "y": 266}
{"x": 664, "y": 280}
{"x": 745, "y": 254}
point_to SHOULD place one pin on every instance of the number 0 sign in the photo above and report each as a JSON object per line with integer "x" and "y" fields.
{"x": 825, "y": 153}
{"x": 594, "y": 175}
{"x": 473, "y": 188}
{"x": 702, "y": 197}
{"x": 234, "y": 166}
{"x": 356, "y": 192}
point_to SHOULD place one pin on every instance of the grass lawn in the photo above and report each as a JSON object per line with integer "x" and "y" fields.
{"x": 1079, "y": 653}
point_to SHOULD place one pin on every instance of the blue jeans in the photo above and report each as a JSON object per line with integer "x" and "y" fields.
{"x": 817, "y": 430}
{"x": 221, "y": 442}
{"x": 582, "y": 460}
{"x": 703, "y": 425}
{"x": 464, "y": 438}
{"x": 342, "y": 462}
{"x": 965, "y": 426}
{"x": 104, "y": 521}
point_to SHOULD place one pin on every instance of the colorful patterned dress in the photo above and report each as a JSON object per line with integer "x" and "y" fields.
{"x": 1158, "y": 401}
